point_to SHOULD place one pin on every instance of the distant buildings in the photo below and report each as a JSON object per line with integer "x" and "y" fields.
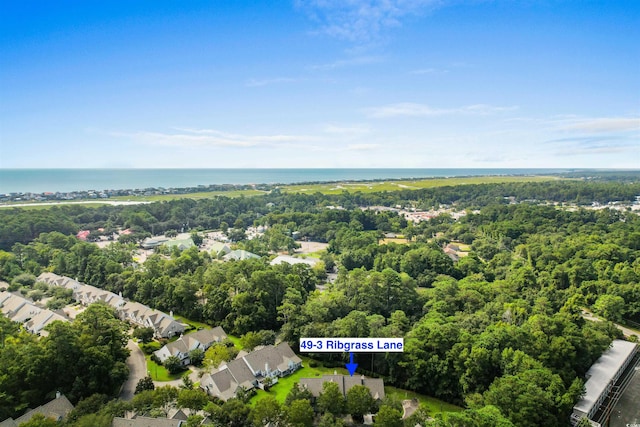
{"x": 249, "y": 370}
{"x": 239, "y": 255}
{"x": 164, "y": 325}
{"x": 293, "y": 260}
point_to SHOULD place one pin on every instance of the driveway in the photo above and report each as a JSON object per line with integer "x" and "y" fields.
{"x": 137, "y": 370}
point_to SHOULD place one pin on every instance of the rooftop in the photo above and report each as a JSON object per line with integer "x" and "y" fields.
{"x": 602, "y": 372}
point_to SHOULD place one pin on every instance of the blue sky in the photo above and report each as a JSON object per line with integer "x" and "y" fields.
{"x": 320, "y": 83}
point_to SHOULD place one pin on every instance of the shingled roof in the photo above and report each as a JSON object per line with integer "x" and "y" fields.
{"x": 345, "y": 383}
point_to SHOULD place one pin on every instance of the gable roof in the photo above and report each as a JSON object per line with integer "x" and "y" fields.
{"x": 277, "y": 357}
{"x": 217, "y": 247}
{"x": 57, "y": 409}
{"x": 145, "y": 422}
{"x": 225, "y": 382}
{"x": 208, "y": 336}
{"x": 345, "y": 383}
{"x": 239, "y": 255}
{"x": 293, "y": 260}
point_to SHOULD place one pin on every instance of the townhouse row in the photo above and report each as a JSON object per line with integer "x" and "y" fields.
{"x": 164, "y": 325}
{"x": 21, "y": 310}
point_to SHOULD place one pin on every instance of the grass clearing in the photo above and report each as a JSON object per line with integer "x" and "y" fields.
{"x": 159, "y": 372}
{"x": 433, "y": 405}
{"x": 399, "y": 241}
{"x": 371, "y": 187}
{"x": 192, "y": 323}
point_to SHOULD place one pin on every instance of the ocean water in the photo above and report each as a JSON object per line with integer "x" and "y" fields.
{"x": 66, "y": 180}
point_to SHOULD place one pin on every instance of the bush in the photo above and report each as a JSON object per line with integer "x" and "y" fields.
{"x": 149, "y": 348}
{"x": 173, "y": 364}
{"x": 155, "y": 359}
{"x": 143, "y": 334}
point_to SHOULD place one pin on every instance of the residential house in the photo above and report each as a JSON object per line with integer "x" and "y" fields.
{"x": 239, "y": 255}
{"x": 273, "y": 361}
{"x": 230, "y": 376}
{"x": 21, "y": 310}
{"x": 151, "y": 243}
{"x": 164, "y": 325}
{"x": 202, "y": 339}
{"x": 57, "y": 409}
{"x": 219, "y": 249}
{"x": 37, "y": 324}
{"x": 146, "y": 422}
{"x": 345, "y": 383}
{"x": 12, "y": 304}
{"x": 249, "y": 370}
{"x": 181, "y": 244}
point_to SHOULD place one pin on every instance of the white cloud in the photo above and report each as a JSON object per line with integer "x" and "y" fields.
{"x": 603, "y": 124}
{"x": 350, "y": 62}
{"x": 265, "y": 82}
{"x": 210, "y": 138}
{"x": 429, "y": 71}
{"x": 408, "y": 109}
{"x": 361, "y": 20}
{"x": 346, "y": 130}
{"x": 362, "y": 147}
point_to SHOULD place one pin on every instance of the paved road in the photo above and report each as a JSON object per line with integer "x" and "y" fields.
{"x": 626, "y": 331}
{"x": 137, "y": 370}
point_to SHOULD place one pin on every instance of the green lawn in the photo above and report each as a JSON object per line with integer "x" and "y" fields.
{"x": 159, "y": 372}
{"x": 390, "y": 185}
{"x": 235, "y": 340}
{"x": 280, "y": 390}
{"x": 433, "y": 405}
{"x": 192, "y": 323}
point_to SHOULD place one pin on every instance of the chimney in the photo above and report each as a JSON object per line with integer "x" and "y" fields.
{"x": 266, "y": 369}
{"x": 171, "y": 313}
{"x": 58, "y": 395}
{"x": 362, "y": 379}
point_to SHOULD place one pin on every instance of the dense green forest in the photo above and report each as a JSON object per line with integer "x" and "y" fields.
{"x": 499, "y": 331}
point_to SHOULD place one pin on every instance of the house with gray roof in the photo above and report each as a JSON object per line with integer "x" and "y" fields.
{"x": 12, "y": 304}
{"x": 249, "y": 370}
{"x": 230, "y": 376}
{"x": 202, "y": 339}
{"x": 345, "y": 383}
{"x": 164, "y": 325}
{"x": 273, "y": 361}
{"x": 37, "y": 324}
{"x": 57, "y": 409}
{"x": 146, "y": 422}
{"x": 21, "y": 310}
